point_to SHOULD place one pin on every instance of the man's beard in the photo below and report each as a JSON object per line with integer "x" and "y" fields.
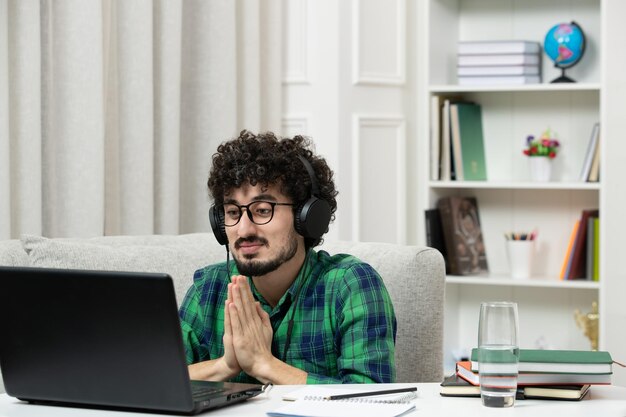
{"x": 254, "y": 268}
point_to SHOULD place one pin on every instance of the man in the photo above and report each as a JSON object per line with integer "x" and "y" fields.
{"x": 283, "y": 313}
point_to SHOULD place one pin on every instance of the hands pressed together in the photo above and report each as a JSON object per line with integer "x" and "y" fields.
{"x": 247, "y": 331}
{"x": 247, "y": 343}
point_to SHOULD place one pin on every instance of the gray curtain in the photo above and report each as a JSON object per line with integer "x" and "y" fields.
{"x": 110, "y": 110}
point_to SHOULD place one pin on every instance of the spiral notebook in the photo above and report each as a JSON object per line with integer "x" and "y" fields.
{"x": 311, "y": 402}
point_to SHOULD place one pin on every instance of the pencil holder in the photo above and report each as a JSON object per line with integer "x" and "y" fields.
{"x": 520, "y": 254}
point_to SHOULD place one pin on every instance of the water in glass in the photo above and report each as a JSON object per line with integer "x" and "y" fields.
{"x": 498, "y": 374}
{"x": 498, "y": 353}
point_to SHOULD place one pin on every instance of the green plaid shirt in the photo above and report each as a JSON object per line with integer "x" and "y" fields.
{"x": 344, "y": 324}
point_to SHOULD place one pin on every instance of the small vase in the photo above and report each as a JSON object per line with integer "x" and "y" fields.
{"x": 540, "y": 168}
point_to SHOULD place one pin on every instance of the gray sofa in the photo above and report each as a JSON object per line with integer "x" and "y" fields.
{"x": 413, "y": 275}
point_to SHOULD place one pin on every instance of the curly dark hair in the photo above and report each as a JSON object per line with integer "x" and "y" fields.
{"x": 266, "y": 159}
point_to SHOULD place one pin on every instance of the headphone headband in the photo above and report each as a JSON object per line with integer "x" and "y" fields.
{"x": 307, "y": 165}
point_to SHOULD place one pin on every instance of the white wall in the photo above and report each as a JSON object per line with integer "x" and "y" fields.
{"x": 348, "y": 86}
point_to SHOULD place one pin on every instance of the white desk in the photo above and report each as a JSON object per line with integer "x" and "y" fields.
{"x": 601, "y": 401}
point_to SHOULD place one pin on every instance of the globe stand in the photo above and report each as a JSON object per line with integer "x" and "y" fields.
{"x": 563, "y": 78}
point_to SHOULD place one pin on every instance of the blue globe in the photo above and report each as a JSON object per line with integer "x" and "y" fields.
{"x": 565, "y": 44}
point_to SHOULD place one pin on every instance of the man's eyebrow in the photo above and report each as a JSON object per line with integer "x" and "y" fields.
{"x": 260, "y": 197}
{"x": 264, "y": 197}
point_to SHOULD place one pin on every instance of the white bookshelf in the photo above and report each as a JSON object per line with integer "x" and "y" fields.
{"x": 508, "y": 200}
{"x": 511, "y": 185}
{"x": 514, "y": 88}
{"x": 534, "y": 282}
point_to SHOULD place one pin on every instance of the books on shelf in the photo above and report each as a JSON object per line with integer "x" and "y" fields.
{"x": 436, "y": 105}
{"x": 592, "y": 148}
{"x": 446, "y": 158}
{"x": 596, "y": 249}
{"x": 499, "y": 70}
{"x": 594, "y": 172}
{"x": 465, "y": 247}
{"x": 434, "y": 232}
{"x": 499, "y": 60}
{"x": 589, "y": 255}
{"x": 511, "y": 62}
{"x": 498, "y": 47}
{"x": 567, "y": 260}
{"x": 464, "y": 370}
{"x": 557, "y": 361}
{"x": 457, "y": 143}
{"x": 467, "y": 130}
{"x": 581, "y": 256}
{"x": 500, "y": 80}
{"x": 455, "y": 386}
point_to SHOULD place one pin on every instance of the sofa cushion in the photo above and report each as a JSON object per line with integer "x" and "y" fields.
{"x": 12, "y": 253}
{"x": 179, "y": 256}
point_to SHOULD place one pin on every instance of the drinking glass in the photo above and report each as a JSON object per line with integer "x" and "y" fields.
{"x": 498, "y": 353}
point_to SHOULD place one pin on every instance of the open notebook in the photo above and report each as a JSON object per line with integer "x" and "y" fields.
{"x": 311, "y": 402}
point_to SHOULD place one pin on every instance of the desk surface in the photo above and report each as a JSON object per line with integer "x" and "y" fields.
{"x": 605, "y": 401}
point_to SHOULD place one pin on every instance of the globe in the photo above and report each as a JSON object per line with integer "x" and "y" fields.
{"x": 565, "y": 45}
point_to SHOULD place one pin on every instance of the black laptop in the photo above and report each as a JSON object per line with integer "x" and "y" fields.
{"x": 100, "y": 339}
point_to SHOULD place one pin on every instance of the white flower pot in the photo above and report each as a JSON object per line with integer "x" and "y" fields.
{"x": 540, "y": 168}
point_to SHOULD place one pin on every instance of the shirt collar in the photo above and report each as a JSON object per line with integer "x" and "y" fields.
{"x": 298, "y": 284}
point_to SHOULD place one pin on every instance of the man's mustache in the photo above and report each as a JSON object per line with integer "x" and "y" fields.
{"x": 250, "y": 239}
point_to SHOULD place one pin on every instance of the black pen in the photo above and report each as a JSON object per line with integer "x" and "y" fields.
{"x": 371, "y": 393}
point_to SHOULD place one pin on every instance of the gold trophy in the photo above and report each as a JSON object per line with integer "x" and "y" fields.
{"x": 589, "y": 324}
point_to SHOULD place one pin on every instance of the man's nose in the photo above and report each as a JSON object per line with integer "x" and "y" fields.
{"x": 246, "y": 226}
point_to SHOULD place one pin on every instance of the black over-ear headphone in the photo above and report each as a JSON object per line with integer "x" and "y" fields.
{"x": 311, "y": 219}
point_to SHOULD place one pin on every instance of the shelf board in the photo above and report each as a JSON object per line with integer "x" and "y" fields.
{"x": 508, "y": 185}
{"x": 504, "y": 280}
{"x": 455, "y": 88}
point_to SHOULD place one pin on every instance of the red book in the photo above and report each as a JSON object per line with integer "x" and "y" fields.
{"x": 464, "y": 370}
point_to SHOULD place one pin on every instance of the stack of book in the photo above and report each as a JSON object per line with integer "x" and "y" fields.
{"x": 499, "y": 62}
{"x": 549, "y": 374}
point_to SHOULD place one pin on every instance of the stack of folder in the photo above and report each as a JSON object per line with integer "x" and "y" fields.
{"x": 550, "y": 374}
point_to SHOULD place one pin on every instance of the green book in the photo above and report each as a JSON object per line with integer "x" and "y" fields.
{"x": 596, "y": 249}
{"x": 589, "y": 249}
{"x": 472, "y": 146}
{"x": 559, "y": 361}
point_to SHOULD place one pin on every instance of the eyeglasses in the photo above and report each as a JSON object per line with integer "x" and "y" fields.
{"x": 259, "y": 212}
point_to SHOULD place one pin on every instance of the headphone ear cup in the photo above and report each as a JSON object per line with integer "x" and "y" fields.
{"x": 312, "y": 218}
{"x": 299, "y": 220}
{"x": 216, "y": 218}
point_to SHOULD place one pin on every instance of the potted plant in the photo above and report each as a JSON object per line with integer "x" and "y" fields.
{"x": 541, "y": 152}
